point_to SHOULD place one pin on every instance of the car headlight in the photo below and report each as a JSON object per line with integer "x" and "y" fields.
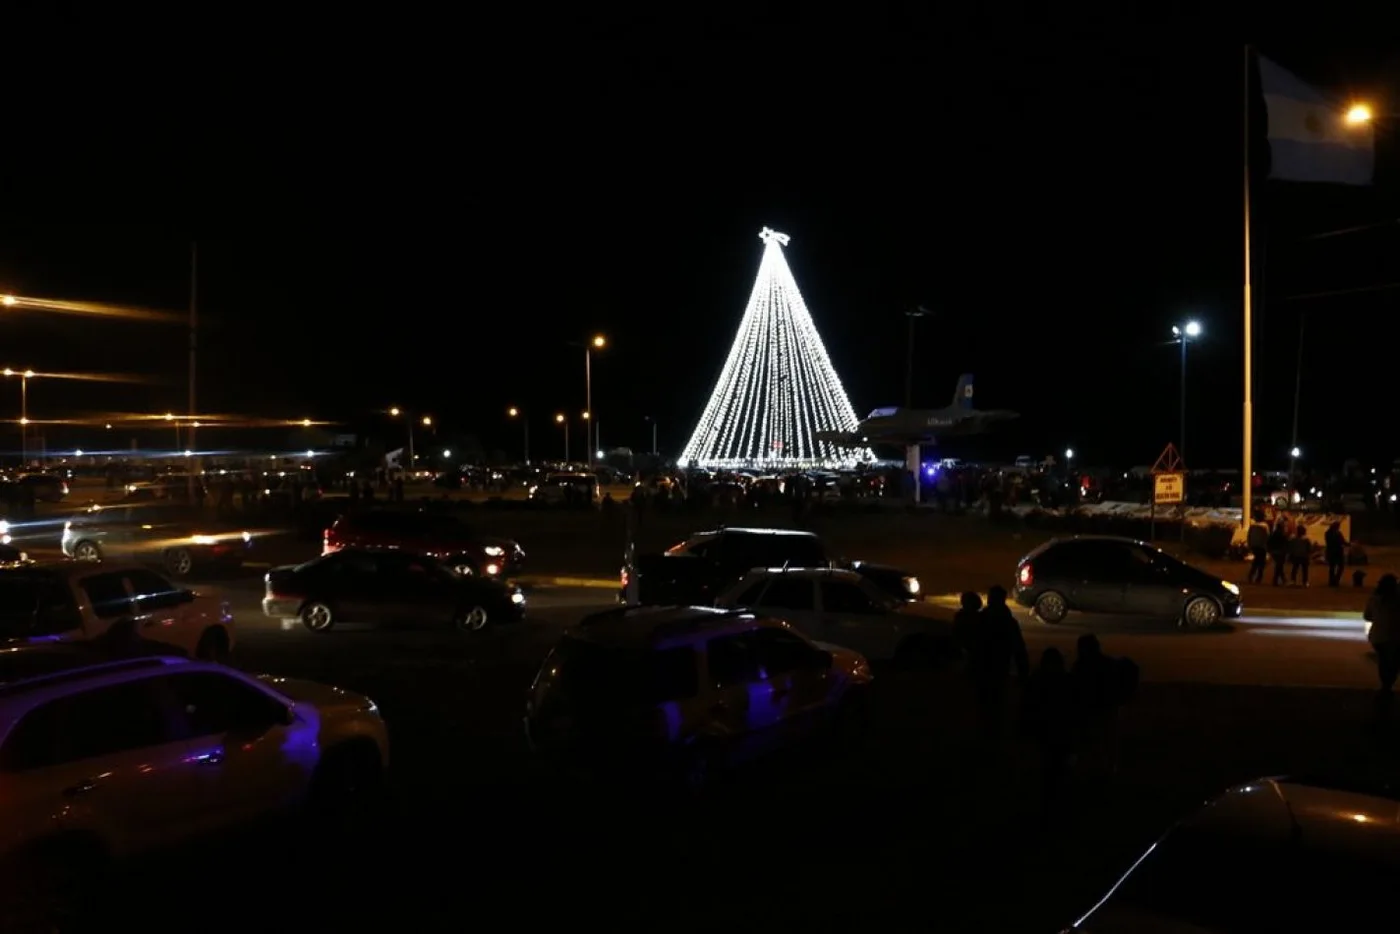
{"x": 67, "y": 527}
{"x": 911, "y": 584}
{"x": 493, "y": 551}
{"x": 492, "y": 570}
{"x": 517, "y": 598}
{"x": 1230, "y": 587}
{"x": 247, "y": 536}
{"x": 202, "y": 539}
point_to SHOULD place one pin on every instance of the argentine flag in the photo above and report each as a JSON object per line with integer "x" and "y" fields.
{"x": 1309, "y": 137}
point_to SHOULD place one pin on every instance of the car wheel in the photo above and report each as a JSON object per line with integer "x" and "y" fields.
{"x": 473, "y": 619}
{"x": 87, "y": 551}
{"x": 1050, "y": 607}
{"x": 179, "y": 562}
{"x": 1200, "y": 613}
{"x": 318, "y": 617}
{"x": 213, "y": 646}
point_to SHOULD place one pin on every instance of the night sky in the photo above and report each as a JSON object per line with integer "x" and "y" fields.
{"x": 433, "y": 230}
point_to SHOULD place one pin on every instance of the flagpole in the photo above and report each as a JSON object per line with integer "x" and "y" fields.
{"x": 1247, "y": 489}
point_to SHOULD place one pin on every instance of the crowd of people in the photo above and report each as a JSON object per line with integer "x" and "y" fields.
{"x": 1069, "y": 710}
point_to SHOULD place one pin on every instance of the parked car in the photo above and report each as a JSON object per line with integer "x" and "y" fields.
{"x": 688, "y": 691}
{"x": 121, "y": 759}
{"x": 438, "y": 536}
{"x": 81, "y": 602}
{"x": 699, "y": 569}
{"x": 174, "y": 537}
{"x": 1106, "y": 574}
{"x": 833, "y": 605}
{"x": 1315, "y": 850}
{"x": 391, "y": 587}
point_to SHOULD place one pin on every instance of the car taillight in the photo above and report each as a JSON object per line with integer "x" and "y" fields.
{"x": 1026, "y": 575}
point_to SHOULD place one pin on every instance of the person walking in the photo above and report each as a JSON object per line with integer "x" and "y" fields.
{"x": 1383, "y": 613}
{"x": 1258, "y": 543}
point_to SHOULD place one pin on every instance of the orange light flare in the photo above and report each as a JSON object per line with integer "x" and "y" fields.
{"x": 93, "y": 309}
{"x": 129, "y": 378}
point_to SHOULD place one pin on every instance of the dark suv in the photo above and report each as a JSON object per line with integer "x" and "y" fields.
{"x": 1102, "y": 574}
{"x": 425, "y": 533}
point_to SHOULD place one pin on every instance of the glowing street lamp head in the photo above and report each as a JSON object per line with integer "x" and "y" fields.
{"x": 1296, "y": 452}
{"x": 8, "y": 301}
{"x": 395, "y": 411}
{"x": 28, "y": 374}
{"x": 24, "y": 421}
{"x": 1193, "y": 329}
{"x": 1069, "y": 454}
{"x": 1359, "y": 114}
{"x": 169, "y": 417}
{"x": 427, "y": 421}
{"x": 9, "y": 372}
{"x": 306, "y": 423}
{"x": 513, "y": 412}
{"x": 599, "y": 342}
{"x": 586, "y": 416}
{"x": 559, "y": 419}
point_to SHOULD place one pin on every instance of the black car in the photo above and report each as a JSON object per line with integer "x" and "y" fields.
{"x": 1104, "y": 574}
{"x": 355, "y": 585}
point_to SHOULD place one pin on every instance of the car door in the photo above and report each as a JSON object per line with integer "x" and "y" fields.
{"x": 792, "y": 597}
{"x": 160, "y": 609}
{"x": 744, "y": 709}
{"x": 349, "y": 582}
{"x": 108, "y": 760}
{"x": 409, "y": 590}
{"x": 1155, "y": 587}
{"x": 256, "y": 756}
{"x": 1094, "y": 574}
{"x": 851, "y": 618}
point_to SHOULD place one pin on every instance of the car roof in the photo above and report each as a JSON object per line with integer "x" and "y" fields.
{"x": 67, "y": 569}
{"x": 1352, "y": 817}
{"x": 1066, "y": 540}
{"x": 840, "y": 574}
{"x": 745, "y": 530}
{"x": 653, "y": 627}
{"x": 19, "y": 697}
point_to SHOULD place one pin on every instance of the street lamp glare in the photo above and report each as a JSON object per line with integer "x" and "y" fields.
{"x": 8, "y": 301}
{"x": 395, "y": 411}
{"x": 427, "y": 421}
{"x": 599, "y": 342}
{"x": 1358, "y": 114}
{"x": 1069, "y": 454}
{"x": 1193, "y": 329}
{"x": 585, "y": 416}
{"x": 513, "y": 412}
{"x": 9, "y": 372}
{"x": 1296, "y": 452}
{"x": 169, "y": 417}
{"x": 306, "y": 423}
{"x": 559, "y": 419}
{"x": 447, "y": 454}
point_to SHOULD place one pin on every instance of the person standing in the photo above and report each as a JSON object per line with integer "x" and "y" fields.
{"x": 995, "y": 646}
{"x": 1383, "y": 613}
{"x": 1335, "y": 551}
{"x": 1278, "y": 550}
{"x": 1257, "y": 542}
{"x": 1299, "y": 555}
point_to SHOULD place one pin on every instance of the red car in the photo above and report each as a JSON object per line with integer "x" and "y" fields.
{"x": 443, "y": 537}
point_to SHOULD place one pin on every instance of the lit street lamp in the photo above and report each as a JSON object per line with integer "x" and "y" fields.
{"x": 1185, "y": 333}
{"x": 1069, "y": 459}
{"x": 561, "y": 420}
{"x": 597, "y": 343}
{"x": 8, "y": 301}
{"x": 427, "y": 420}
{"x": 1358, "y": 114}
{"x": 24, "y": 377}
{"x": 514, "y": 412}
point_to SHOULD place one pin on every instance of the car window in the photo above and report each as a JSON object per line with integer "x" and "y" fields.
{"x": 749, "y": 596}
{"x": 779, "y": 651}
{"x": 593, "y": 676}
{"x": 846, "y": 597}
{"x": 731, "y": 661}
{"x": 790, "y": 593}
{"x": 152, "y": 591}
{"x": 353, "y": 563}
{"x": 36, "y": 605}
{"x": 101, "y": 722}
{"x": 216, "y": 703}
{"x": 108, "y": 595}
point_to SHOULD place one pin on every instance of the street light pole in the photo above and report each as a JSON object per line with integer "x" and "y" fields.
{"x": 913, "y": 315}
{"x": 24, "y": 419}
{"x": 1297, "y": 399}
{"x": 588, "y": 399}
{"x": 515, "y": 412}
{"x": 561, "y": 419}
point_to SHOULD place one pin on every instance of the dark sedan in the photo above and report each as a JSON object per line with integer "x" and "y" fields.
{"x": 1104, "y": 574}
{"x": 387, "y": 587}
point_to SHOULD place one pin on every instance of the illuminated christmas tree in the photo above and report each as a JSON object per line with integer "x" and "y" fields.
{"x": 778, "y": 391}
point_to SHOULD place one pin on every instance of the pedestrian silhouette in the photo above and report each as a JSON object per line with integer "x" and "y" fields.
{"x": 996, "y": 646}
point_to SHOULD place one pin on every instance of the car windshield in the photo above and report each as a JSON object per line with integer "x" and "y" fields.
{"x": 695, "y": 545}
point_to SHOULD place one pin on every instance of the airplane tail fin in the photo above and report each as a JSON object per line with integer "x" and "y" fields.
{"x": 962, "y": 396}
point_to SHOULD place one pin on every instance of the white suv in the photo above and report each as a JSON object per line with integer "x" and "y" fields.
{"x": 75, "y": 601}
{"x": 117, "y": 759}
